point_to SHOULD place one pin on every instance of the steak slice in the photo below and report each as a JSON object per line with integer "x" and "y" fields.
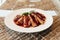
{"x": 40, "y": 21}
{"x": 32, "y": 21}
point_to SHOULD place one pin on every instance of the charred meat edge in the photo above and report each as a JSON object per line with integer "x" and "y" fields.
{"x": 32, "y": 22}
{"x": 41, "y": 21}
{"x": 19, "y": 21}
{"x": 41, "y": 16}
{"x": 35, "y": 20}
{"x": 26, "y": 21}
{"x": 16, "y": 18}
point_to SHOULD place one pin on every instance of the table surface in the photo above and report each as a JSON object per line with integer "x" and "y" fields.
{"x": 52, "y": 33}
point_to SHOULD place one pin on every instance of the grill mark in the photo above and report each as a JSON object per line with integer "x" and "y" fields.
{"x": 35, "y": 19}
{"x": 26, "y": 20}
{"x": 29, "y": 23}
{"x": 41, "y": 16}
{"x": 40, "y": 21}
{"x": 17, "y": 18}
{"x": 32, "y": 22}
{"x": 20, "y": 21}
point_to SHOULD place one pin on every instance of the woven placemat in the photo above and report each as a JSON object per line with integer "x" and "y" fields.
{"x": 52, "y": 33}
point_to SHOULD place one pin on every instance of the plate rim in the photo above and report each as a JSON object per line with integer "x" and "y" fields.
{"x": 31, "y": 31}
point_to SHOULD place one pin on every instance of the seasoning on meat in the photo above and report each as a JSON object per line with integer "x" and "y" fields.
{"x": 30, "y": 19}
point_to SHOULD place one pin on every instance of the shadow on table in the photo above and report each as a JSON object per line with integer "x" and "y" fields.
{"x": 42, "y": 34}
{"x": 39, "y": 35}
{"x": 31, "y": 36}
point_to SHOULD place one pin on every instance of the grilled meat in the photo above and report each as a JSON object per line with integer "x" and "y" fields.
{"x": 41, "y": 21}
{"x": 26, "y": 21}
{"x": 20, "y": 21}
{"x": 32, "y": 22}
{"x": 17, "y": 17}
{"x": 32, "y": 19}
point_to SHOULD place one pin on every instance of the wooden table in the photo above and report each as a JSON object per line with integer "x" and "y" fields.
{"x": 52, "y": 33}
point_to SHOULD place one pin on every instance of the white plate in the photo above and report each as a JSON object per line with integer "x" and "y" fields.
{"x": 10, "y": 23}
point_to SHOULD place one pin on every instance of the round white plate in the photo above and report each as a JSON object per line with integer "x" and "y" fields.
{"x": 10, "y": 23}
